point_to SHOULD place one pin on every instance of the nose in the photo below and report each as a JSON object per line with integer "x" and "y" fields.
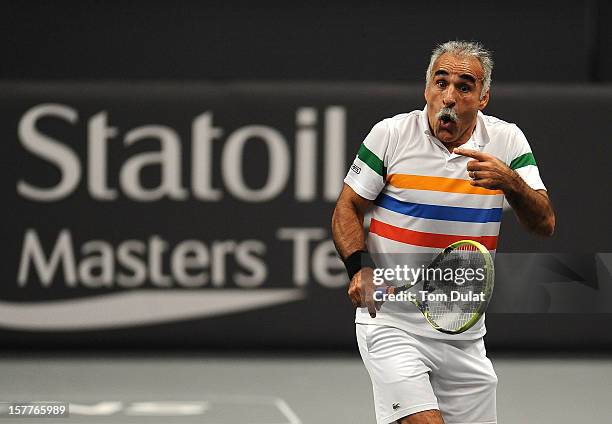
{"x": 448, "y": 97}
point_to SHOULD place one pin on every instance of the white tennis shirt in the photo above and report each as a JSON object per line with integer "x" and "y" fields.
{"x": 424, "y": 201}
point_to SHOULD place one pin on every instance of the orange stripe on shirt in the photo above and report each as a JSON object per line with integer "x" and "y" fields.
{"x": 450, "y": 185}
{"x": 418, "y": 238}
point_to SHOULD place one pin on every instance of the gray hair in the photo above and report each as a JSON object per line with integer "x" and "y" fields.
{"x": 465, "y": 48}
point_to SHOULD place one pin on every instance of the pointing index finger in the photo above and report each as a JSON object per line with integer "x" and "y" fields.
{"x": 470, "y": 153}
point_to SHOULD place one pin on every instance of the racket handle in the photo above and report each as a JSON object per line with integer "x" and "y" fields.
{"x": 385, "y": 289}
{"x": 394, "y": 290}
{"x": 407, "y": 287}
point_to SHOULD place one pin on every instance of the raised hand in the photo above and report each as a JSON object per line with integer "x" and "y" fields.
{"x": 489, "y": 172}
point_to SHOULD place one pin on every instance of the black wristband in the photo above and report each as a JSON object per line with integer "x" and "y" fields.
{"x": 357, "y": 260}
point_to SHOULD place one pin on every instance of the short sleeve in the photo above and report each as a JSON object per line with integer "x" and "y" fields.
{"x": 522, "y": 160}
{"x": 368, "y": 172}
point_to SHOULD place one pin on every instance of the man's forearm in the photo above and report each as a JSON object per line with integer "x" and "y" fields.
{"x": 347, "y": 229}
{"x": 533, "y": 208}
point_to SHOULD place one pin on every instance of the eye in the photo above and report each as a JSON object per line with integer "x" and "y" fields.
{"x": 464, "y": 88}
{"x": 441, "y": 83}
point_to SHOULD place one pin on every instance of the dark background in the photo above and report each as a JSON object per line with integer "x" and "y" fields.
{"x": 552, "y": 76}
{"x": 533, "y": 41}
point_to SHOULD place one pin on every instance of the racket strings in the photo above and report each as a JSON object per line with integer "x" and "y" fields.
{"x": 450, "y": 302}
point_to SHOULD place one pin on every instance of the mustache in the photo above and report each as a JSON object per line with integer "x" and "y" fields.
{"x": 447, "y": 114}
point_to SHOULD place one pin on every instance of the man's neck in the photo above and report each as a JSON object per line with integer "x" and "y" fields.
{"x": 454, "y": 144}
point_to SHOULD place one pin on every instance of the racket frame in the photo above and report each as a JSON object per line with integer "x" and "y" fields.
{"x": 482, "y": 307}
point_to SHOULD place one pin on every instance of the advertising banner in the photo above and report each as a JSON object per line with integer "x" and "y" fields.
{"x": 184, "y": 215}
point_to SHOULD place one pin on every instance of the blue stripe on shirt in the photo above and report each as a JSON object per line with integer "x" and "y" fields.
{"x": 444, "y": 213}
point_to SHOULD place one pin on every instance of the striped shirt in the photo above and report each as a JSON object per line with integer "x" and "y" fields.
{"x": 424, "y": 200}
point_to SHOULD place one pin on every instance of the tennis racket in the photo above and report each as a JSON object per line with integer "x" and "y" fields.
{"x": 449, "y": 305}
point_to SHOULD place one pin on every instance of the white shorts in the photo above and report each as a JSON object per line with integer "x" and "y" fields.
{"x": 411, "y": 374}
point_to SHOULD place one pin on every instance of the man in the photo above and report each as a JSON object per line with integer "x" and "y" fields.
{"x": 449, "y": 156}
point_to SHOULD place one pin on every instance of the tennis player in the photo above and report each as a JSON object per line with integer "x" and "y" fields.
{"x": 432, "y": 177}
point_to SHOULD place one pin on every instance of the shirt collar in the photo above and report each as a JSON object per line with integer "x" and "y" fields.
{"x": 477, "y": 141}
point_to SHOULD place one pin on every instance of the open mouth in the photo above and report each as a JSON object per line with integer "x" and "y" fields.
{"x": 446, "y": 122}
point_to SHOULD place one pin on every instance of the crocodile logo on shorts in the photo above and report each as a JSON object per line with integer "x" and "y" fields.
{"x": 396, "y": 406}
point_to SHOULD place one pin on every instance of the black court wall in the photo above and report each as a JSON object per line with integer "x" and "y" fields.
{"x": 197, "y": 215}
{"x": 560, "y": 41}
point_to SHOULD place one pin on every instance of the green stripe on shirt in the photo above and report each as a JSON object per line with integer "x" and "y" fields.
{"x": 523, "y": 160}
{"x": 371, "y": 160}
